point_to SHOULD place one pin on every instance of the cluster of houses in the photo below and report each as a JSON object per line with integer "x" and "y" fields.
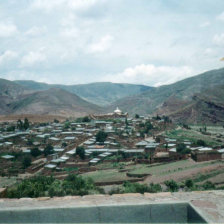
{"x": 124, "y": 142}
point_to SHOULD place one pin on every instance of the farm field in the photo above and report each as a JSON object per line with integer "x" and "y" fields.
{"x": 193, "y": 135}
{"x": 157, "y": 173}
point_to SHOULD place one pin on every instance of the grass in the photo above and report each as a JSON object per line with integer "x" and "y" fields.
{"x": 168, "y": 168}
{"x": 191, "y": 135}
{"x": 106, "y": 175}
{"x": 203, "y": 177}
{"x": 160, "y": 169}
{"x": 6, "y": 181}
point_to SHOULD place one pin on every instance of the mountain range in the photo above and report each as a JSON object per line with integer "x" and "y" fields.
{"x": 199, "y": 99}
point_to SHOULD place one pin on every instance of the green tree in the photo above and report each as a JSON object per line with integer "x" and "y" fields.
{"x": 48, "y": 150}
{"x": 137, "y": 116}
{"x": 172, "y": 185}
{"x": 35, "y": 152}
{"x": 80, "y": 151}
{"x": 182, "y": 149}
{"x": 11, "y": 128}
{"x": 26, "y": 162}
{"x": 20, "y": 124}
{"x": 86, "y": 119}
{"x": 148, "y": 126}
{"x": 208, "y": 185}
{"x": 201, "y": 142}
{"x": 56, "y": 121}
{"x": 101, "y": 136}
{"x": 26, "y": 124}
{"x": 189, "y": 183}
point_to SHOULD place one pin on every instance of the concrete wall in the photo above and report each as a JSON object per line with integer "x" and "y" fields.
{"x": 148, "y": 213}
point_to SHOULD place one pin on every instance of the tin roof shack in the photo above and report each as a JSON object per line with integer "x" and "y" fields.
{"x": 205, "y": 154}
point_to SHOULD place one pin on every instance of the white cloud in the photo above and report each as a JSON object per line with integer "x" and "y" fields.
{"x": 218, "y": 39}
{"x": 7, "y": 56}
{"x": 81, "y": 4}
{"x": 205, "y": 24}
{"x": 151, "y": 75}
{"x": 35, "y": 31}
{"x": 221, "y": 17}
{"x": 102, "y": 45}
{"x": 49, "y": 5}
{"x": 7, "y": 29}
{"x": 32, "y": 58}
{"x": 70, "y": 32}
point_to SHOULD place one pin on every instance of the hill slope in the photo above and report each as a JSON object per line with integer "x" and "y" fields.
{"x": 54, "y": 102}
{"x": 151, "y": 100}
{"x": 9, "y": 91}
{"x": 206, "y": 107}
{"x": 101, "y": 93}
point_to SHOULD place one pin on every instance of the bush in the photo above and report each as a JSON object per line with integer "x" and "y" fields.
{"x": 189, "y": 183}
{"x": 86, "y": 119}
{"x": 48, "y": 150}
{"x": 40, "y": 186}
{"x": 26, "y": 162}
{"x": 182, "y": 149}
{"x": 208, "y": 185}
{"x": 101, "y": 136}
{"x": 80, "y": 151}
{"x": 172, "y": 185}
{"x": 35, "y": 152}
{"x": 200, "y": 142}
{"x": 141, "y": 188}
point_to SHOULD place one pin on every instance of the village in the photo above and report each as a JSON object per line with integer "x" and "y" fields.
{"x": 111, "y": 149}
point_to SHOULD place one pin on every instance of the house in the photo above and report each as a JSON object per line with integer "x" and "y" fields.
{"x": 206, "y": 154}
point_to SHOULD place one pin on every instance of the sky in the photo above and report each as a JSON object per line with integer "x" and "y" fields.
{"x": 150, "y": 42}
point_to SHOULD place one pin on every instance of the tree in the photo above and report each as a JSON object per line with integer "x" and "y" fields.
{"x": 208, "y": 185}
{"x": 101, "y": 136}
{"x": 26, "y": 162}
{"x": 86, "y": 119}
{"x": 201, "y": 142}
{"x": 172, "y": 185}
{"x": 148, "y": 126}
{"x": 80, "y": 151}
{"x": 11, "y": 128}
{"x": 137, "y": 116}
{"x": 35, "y": 152}
{"x": 182, "y": 149}
{"x": 189, "y": 183}
{"x": 20, "y": 124}
{"x": 48, "y": 150}
{"x": 64, "y": 144}
{"x": 56, "y": 121}
{"x": 26, "y": 124}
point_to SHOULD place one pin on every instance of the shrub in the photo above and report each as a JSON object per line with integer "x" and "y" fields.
{"x": 208, "y": 185}
{"x": 40, "y": 186}
{"x": 171, "y": 185}
{"x": 48, "y": 150}
{"x": 80, "y": 151}
{"x": 182, "y": 149}
{"x": 35, "y": 152}
{"x": 101, "y": 136}
{"x": 189, "y": 183}
{"x": 26, "y": 162}
{"x": 200, "y": 142}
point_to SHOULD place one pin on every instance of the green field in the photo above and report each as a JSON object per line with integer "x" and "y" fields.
{"x": 168, "y": 168}
{"x": 106, "y": 175}
{"x": 158, "y": 170}
{"x": 192, "y": 135}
